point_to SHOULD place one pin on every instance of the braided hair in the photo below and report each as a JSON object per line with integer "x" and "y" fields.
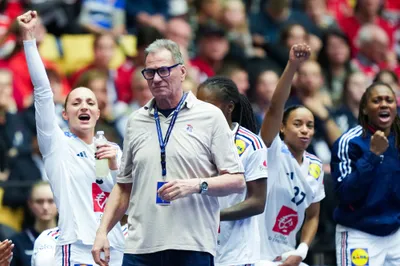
{"x": 363, "y": 118}
{"x": 226, "y": 91}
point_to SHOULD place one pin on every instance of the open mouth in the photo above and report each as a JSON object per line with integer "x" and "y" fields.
{"x": 84, "y": 117}
{"x": 384, "y": 116}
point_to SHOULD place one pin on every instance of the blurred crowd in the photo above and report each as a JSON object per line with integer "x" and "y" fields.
{"x": 354, "y": 42}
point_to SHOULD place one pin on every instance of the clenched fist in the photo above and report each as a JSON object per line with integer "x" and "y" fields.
{"x": 379, "y": 143}
{"x": 299, "y": 53}
{"x": 27, "y": 24}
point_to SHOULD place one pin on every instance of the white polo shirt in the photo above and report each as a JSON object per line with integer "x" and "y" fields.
{"x": 200, "y": 146}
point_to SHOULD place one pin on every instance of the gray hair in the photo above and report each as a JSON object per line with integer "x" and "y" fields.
{"x": 370, "y": 32}
{"x": 169, "y": 45}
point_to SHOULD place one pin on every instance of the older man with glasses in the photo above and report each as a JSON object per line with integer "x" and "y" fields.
{"x": 178, "y": 157}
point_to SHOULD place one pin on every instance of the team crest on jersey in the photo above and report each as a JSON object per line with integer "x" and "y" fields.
{"x": 99, "y": 198}
{"x": 286, "y": 221}
{"x": 241, "y": 146}
{"x": 314, "y": 170}
{"x": 359, "y": 257}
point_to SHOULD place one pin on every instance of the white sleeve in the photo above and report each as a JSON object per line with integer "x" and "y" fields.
{"x": 274, "y": 156}
{"x": 255, "y": 166}
{"x": 43, "y": 251}
{"x": 320, "y": 193}
{"x": 48, "y": 131}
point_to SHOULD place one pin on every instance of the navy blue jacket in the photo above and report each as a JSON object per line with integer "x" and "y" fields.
{"x": 367, "y": 185}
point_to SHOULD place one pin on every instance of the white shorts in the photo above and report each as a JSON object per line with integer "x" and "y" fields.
{"x": 273, "y": 263}
{"x": 78, "y": 253}
{"x": 356, "y": 248}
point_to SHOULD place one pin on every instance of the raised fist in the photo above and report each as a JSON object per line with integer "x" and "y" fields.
{"x": 379, "y": 143}
{"x": 299, "y": 53}
{"x": 27, "y": 24}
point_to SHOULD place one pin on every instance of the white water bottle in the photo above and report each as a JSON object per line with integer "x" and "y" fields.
{"x": 101, "y": 165}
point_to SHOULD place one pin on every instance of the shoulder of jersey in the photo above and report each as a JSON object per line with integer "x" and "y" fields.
{"x": 53, "y": 233}
{"x": 313, "y": 158}
{"x": 70, "y": 135}
{"x": 250, "y": 139}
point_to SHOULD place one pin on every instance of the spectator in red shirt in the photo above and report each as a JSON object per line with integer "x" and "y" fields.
{"x": 16, "y": 62}
{"x": 104, "y": 46}
{"x": 212, "y": 48}
{"x": 373, "y": 44}
{"x": 365, "y": 12}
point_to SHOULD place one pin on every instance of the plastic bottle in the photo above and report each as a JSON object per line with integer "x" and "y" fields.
{"x": 102, "y": 169}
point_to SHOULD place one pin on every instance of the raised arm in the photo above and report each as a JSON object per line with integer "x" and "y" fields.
{"x": 46, "y": 124}
{"x": 273, "y": 119}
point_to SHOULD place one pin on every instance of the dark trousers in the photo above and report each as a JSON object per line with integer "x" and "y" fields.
{"x": 169, "y": 258}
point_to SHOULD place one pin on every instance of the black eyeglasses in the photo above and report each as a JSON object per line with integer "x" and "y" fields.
{"x": 163, "y": 72}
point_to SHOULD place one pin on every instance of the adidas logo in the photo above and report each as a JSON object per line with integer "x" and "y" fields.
{"x": 82, "y": 154}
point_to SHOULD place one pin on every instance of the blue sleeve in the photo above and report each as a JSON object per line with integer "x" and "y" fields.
{"x": 119, "y": 4}
{"x": 133, "y": 7}
{"x": 352, "y": 170}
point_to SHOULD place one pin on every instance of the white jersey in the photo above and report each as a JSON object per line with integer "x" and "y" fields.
{"x": 291, "y": 189}
{"x": 45, "y": 246}
{"x": 70, "y": 166}
{"x": 239, "y": 241}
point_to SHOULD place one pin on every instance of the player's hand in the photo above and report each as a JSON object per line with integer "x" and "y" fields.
{"x": 178, "y": 189}
{"x": 27, "y": 24}
{"x": 6, "y": 254}
{"x": 379, "y": 143}
{"x": 292, "y": 260}
{"x": 299, "y": 53}
{"x": 108, "y": 151}
{"x": 101, "y": 244}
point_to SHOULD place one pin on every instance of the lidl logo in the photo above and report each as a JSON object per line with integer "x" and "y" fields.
{"x": 241, "y": 146}
{"x": 314, "y": 170}
{"x": 359, "y": 257}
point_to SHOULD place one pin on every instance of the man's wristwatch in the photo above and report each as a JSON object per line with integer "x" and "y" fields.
{"x": 203, "y": 186}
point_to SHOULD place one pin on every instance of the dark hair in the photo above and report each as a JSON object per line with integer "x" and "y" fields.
{"x": 323, "y": 56}
{"x": 363, "y": 118}
{"x": 346, "y": 83}
{"x": 378, "y": 76}
{"x": 226, "y": 91}
{"x": 98, "y": 36}
{"x": 287, "y": 113}
{"x": 286, "y": 32}
{"x": 146, "y": 35}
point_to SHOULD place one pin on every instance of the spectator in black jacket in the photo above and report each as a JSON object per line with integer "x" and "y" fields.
{"x": 44, "y": 210}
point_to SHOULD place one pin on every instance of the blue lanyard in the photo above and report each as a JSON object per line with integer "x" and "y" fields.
{"x": 163, "y": 142}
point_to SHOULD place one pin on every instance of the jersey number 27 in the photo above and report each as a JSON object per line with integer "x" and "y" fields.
{"x": 299, "y": 196}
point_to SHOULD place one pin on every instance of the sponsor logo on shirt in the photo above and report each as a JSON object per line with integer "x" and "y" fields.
{"x": 241, "y": 146}
{"x": 82, "y": 154}
{"x": 314, "y": 170}
{"x": 286, "y": 221}
{"x": 264, "y": 166}
{"x": 99, "y": 198}
{"x": 189, "y": 128}
{"x": 359, "y": 257}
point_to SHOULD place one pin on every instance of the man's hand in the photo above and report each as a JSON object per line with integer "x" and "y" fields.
{"x": 27, "y": 24}
{"x": 101, "y": 244}
{"x": 6, "y": 248}
{"x": 178, "y": 189}
{"x": 299, "y": 53}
